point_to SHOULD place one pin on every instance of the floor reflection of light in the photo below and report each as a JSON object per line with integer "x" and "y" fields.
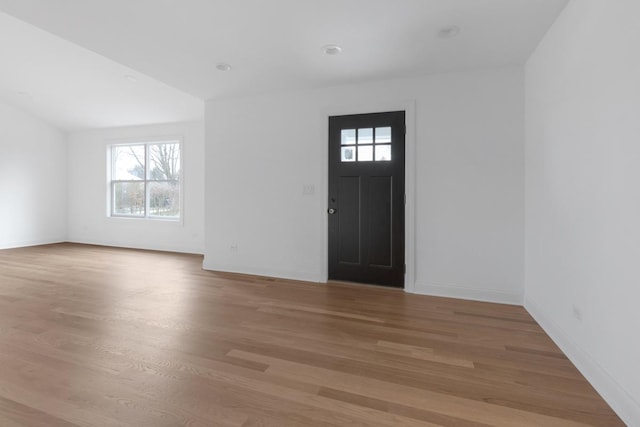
{"x": 145, "y": 302}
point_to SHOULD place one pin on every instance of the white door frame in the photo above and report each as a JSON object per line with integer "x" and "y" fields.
{"x": 409, "y": 107}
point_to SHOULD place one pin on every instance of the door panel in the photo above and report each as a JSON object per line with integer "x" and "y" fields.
{"x": 366, "y": 198}
{"x": 380, "y": 230}
{"x": 349, "y": 220}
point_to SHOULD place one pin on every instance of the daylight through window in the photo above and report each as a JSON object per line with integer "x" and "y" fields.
{"x": 357, "y": 145}
{"x": 145, "y": 180}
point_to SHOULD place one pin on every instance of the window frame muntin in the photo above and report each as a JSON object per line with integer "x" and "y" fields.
{"x": 146, "y": 142}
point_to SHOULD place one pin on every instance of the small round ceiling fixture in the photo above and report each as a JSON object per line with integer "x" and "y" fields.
{"x": 448, "y": 32}
{"x": 331, "y": 49}
{"x": 223, "y": 66}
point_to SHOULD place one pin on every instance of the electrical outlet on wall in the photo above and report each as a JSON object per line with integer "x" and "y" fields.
{"x": 308, "y": 189}
{"x": 233, "y": 247}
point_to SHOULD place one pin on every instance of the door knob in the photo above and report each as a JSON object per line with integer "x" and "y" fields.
{"x": 331, "y": 211}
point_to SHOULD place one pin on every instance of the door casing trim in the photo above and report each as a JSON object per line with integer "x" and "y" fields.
{"x": 409, "y": 107}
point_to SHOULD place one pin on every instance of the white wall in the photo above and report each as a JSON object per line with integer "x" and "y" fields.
{"x": 33, "y": 192}
{"x": 583, "y": 193}
{"x": 87, "y": 185}
{"x": 469, "y": 141}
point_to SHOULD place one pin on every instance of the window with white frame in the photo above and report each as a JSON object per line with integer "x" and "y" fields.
{"x": 145, "y": 180}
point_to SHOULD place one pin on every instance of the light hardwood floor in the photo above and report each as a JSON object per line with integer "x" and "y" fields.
{"x": 93, "y": 336}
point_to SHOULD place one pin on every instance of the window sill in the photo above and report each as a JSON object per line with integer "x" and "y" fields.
{"x": 137, "y": 220}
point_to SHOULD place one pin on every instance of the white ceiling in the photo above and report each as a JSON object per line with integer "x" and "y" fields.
{"x": 73, "y": 88}
{"x": 272, "y": 45}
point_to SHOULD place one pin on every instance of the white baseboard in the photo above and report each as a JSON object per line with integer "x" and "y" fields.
{"x": 281, "y": 274}
{"x": 452, "y": 291}
{"x": 627, "y": 408}
{"x": 27, "y": 243}
{"x": 129, "y": 245}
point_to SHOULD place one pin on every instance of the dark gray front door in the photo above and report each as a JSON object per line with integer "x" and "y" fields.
{"x": 366, "y": 198}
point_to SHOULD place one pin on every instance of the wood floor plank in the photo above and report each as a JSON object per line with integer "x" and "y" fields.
{"x": 15, "y": 414}
{"x": 445, "y": 404}
{"x": 97, "y": 336}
